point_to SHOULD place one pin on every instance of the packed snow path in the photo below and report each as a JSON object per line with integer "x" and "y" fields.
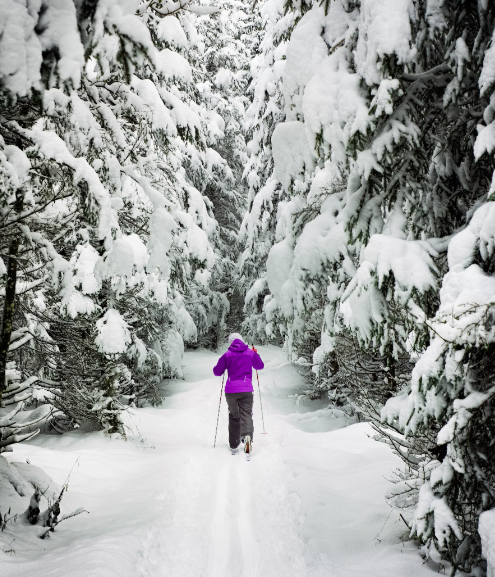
{"x": 166, "y": 504}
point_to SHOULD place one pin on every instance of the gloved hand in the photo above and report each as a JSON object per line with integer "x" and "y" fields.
{"x": 253, "y": 349}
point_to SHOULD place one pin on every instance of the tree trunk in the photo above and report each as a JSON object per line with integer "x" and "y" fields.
{"x": 8, "y": 311}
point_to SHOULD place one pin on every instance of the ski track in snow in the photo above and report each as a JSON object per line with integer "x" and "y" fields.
{"x": 247, "y": 535}
{"x": 234, "y": 547}
{"x": 166, "y": 504}
{"x": 220, "y": 528}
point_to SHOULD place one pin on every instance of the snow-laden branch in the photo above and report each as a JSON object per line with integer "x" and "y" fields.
{"x": 168, "y": 8}
{"x": 24, "y": 287}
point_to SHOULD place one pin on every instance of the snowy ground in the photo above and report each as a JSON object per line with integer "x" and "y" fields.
{"x": 165, "y": 503}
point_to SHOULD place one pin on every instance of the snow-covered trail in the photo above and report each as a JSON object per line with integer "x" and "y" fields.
{"x": 165, "y": 503}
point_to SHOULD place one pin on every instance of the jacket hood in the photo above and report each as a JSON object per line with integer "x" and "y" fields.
{"x": 238, "y": 346}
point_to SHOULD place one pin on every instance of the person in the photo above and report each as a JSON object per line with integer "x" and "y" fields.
{"x": 239, "y": 362}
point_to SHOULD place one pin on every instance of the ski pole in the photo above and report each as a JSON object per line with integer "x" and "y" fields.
{"x": 218, "y": 416}
{"x": 261, "y": 405}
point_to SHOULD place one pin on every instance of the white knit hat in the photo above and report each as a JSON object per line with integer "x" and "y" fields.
{"x": 235, "y": 336}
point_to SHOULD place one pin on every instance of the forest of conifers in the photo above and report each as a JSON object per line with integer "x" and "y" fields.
{"x": 315, "y": 174}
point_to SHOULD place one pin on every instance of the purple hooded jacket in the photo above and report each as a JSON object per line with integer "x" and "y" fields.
{"x": 239, "y": 361}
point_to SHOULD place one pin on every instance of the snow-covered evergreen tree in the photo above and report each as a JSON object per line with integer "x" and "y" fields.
{"x": 264, "y": 113}
{"x": 452, "y": 384}
{"x": 221, "y": 63}
{"x": 377, "y": 163}
{"x": 100, "y": 175}
{"x": 48, "y": 191}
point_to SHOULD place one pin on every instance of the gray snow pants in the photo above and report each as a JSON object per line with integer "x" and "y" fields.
{"x": 240, "y": 416}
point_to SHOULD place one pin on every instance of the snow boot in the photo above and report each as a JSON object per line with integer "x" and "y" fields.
{"x": 248, "y": 447}
{"x": 233, "y": 451}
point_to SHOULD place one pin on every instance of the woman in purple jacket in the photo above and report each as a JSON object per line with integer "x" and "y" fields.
{"x": 239, "y": 361}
